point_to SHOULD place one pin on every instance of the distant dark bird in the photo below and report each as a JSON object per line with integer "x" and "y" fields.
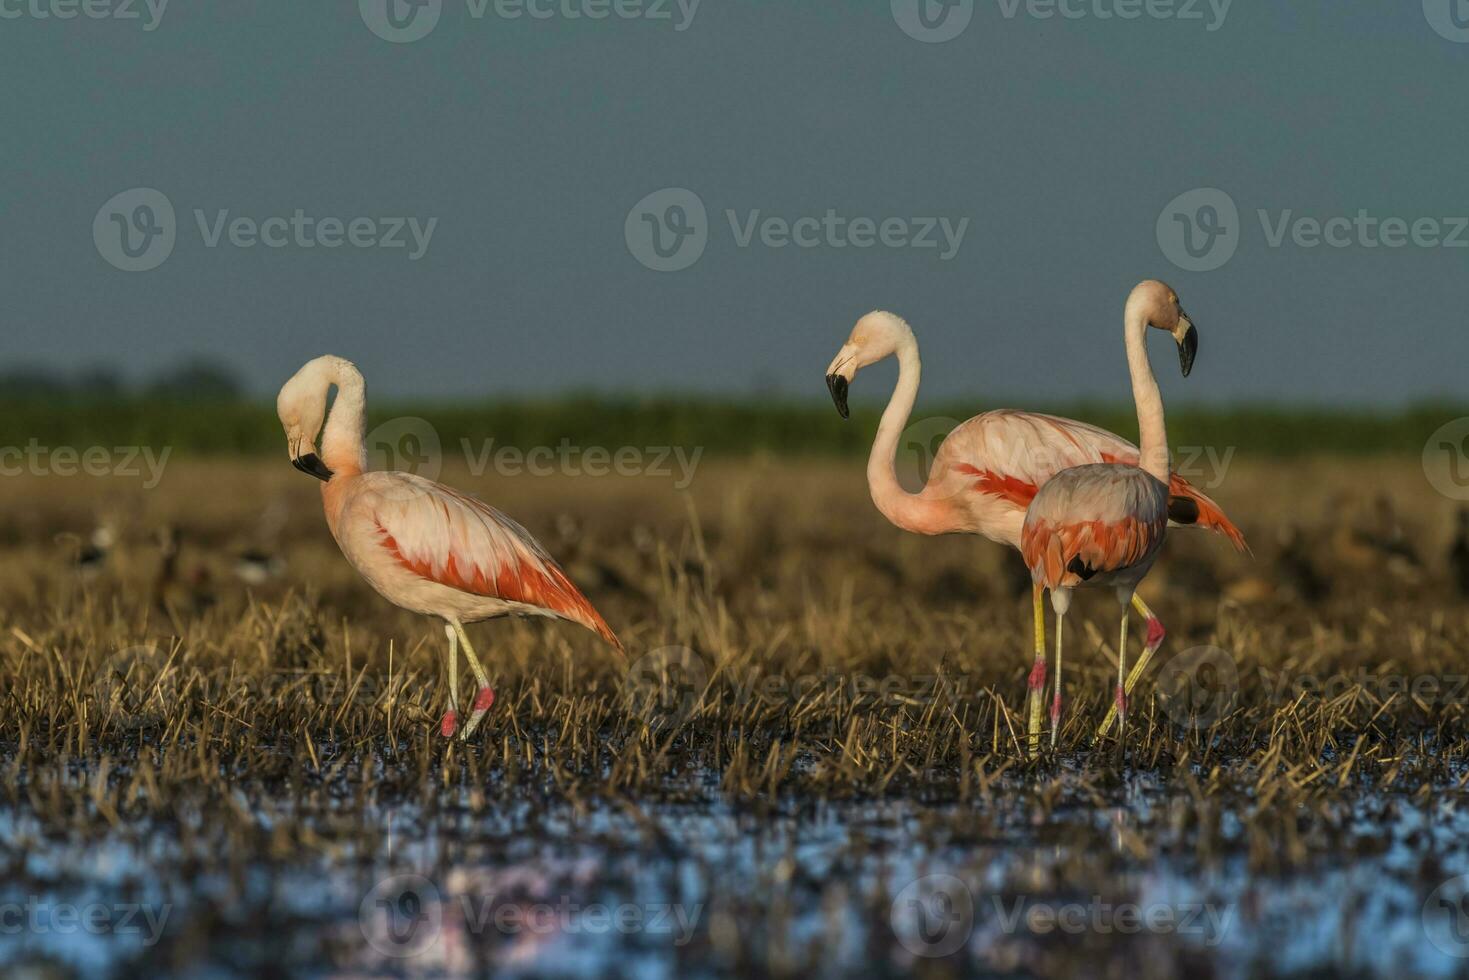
{"x": 1368, "y": 542}
{"x": 89, "y": 557}
{"x": 176, "y": 589}
{"x": 1296, "y": 569}
{"x": 255, "y": 567}
{"x": 260, "y": 561}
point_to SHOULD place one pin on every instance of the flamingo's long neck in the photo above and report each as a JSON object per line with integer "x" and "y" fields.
{"x": 909, "y": 511}
{"x": 1152, "y": 435}
{"x": 341, "y": 440}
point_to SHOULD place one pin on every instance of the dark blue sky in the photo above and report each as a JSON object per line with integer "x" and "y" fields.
{"x": 531, "y": 140}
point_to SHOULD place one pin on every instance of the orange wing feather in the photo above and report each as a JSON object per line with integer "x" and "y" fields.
{"x": 1101, "y": 545}
{"x": 526, "y": 574}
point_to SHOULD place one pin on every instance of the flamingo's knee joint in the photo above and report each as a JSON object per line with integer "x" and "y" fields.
{"x": 1038, "y": 675}
{"x": 1155, "y": 633}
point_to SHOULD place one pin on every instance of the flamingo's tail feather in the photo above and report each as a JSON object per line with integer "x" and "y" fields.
{"x": 1191, "y": 507}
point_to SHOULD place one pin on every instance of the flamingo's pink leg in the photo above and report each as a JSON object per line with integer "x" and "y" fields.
{"x": 1156, "y": 633}
{"x": 486, "y": 695}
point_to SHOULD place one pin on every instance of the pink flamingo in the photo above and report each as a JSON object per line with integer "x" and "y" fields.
{"x": 988, "y": 469}
{"x": 1102, "y": 524}
{"x": 421, "y": 545}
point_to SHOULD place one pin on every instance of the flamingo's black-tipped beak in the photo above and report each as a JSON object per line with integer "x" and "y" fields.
{"x": 838, "y": 386}
{"x": 1188, "y": 345}
{"x": 312, "y": 464}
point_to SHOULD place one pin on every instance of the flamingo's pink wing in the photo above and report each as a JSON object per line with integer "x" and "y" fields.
{"x": 1010, "y": 455}
{"x": 457, "y": 541}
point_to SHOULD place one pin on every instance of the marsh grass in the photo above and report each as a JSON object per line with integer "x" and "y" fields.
{"x": 792, "y": 655}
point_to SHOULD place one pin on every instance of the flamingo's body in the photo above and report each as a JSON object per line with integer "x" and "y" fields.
{"x": 1102, "y": 524}
{"x": 1097, "y": 525}
{"x": 989, "y": 470}
{"x": 423, "y": 546}
{"x": 435, "y": 551}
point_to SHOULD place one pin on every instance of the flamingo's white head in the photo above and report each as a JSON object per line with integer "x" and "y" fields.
{"x": 1157, "y": 305}
{"x": 876, "y": 336}
{"x": 301, "y": 406}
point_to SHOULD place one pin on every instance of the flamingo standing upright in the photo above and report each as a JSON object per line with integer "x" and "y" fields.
{"x": 421, "y": 545}
{"x": 988, "y": 469}
{"x": 1102, "y": 524}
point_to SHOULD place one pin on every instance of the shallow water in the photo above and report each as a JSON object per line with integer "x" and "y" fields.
{"x": 868, "y": 887}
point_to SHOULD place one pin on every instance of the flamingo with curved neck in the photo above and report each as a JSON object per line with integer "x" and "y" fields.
{"x": 1102, "y": 524}
{"x": 422, "y": 545}
{"x": 989, "y": 468}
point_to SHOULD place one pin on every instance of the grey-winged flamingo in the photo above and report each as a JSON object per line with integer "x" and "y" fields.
{"x": 1102, "y": 524}
{"x": 988, "y": 469}
{"x": 423, "y": 546}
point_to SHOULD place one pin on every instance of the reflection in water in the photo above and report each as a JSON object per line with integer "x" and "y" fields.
{"x": 681, "y": 889}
